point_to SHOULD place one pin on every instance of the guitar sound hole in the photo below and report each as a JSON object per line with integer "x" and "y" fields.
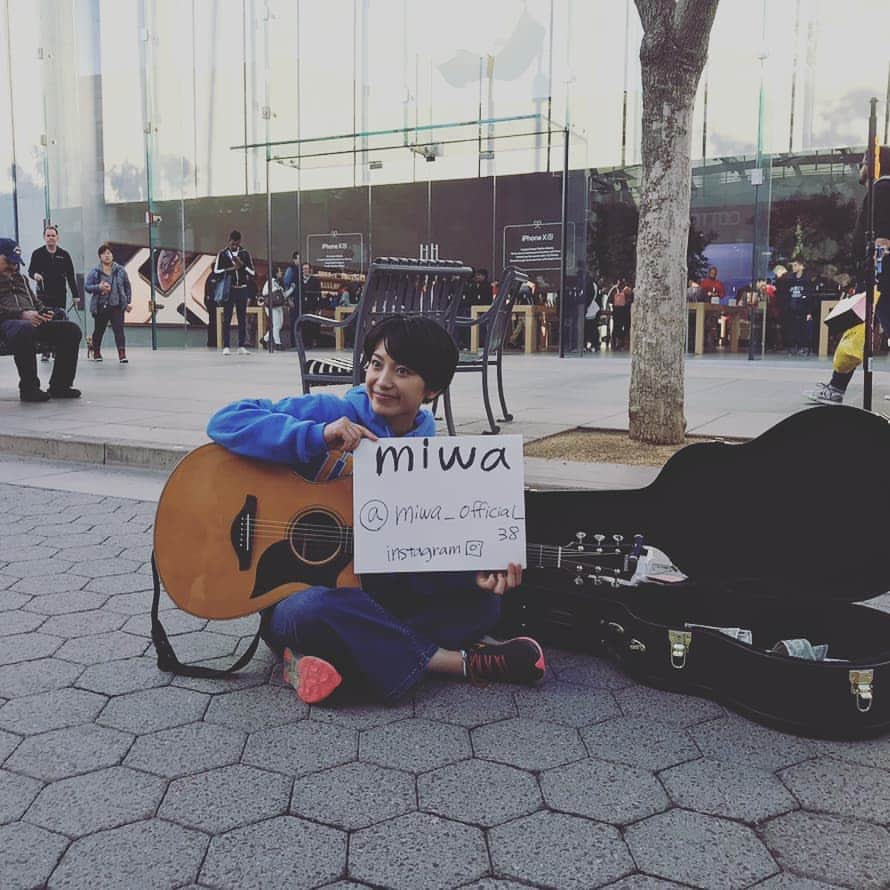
{"x": 316, "y": 537}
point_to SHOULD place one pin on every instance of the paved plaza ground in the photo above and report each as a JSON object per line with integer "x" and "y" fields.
{"x": 115, "y": 775}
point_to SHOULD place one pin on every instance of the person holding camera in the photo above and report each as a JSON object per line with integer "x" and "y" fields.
{"x": 28, "y": 324}
{"x": 275, "y": 298}
{"x": 235, "y": 265}
{"x": 110, "y": 297}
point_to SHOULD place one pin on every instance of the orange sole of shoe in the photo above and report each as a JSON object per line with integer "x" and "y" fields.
{"x": 313, "y": 678}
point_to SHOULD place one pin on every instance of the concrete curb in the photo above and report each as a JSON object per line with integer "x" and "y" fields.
{"x": 94, "y": 451}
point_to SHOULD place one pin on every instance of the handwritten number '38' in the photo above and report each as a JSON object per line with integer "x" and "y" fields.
{"x": 510, "y": 533}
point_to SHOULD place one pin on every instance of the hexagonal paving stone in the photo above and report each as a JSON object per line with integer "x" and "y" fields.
{"x": 418, "y": 852}
{"x": 235, "y": 627}
{"x": 16, "y": 794}
{"x": 870, "y": 752}
{"x": 26, "y": 552}
{"x": 81, "y": 624}
{"x": 478, "y": 792}
{"x": 129, "y": 583}
{"x": 607, "y": 792}
{"x": 699, "y": 850}
{"x": 66, "y": 603}
{"x": 27, "y": 647}
{"x": 416, "y": 745}
{"x": 96, "y": 801}
{"x": 83, "y": 552}
{"x": 28, "y": 855}
{"x": 68, "y": 752}
{"x": 256, "y": 674}
{"x": 138, "y": 602}
{"x": 354, "y": 795}
{"x": 464, "y": 704}
{"x": 186, "y": 749}
{"x": 726, "y": 789}
{"x": 175, "y": 622}
{"x": 141, "y": 854}
{"x": 10, "y": 600}
{"x": 256, "y": 709}
{"x": 301, "y": 748}
{"x": 588, "y": 670}
{"x": 793, "y": 882}
{"x": 50, "y": 710}
{"x": 840, "y": 850}
{"x": 195, "y": 647}
{"x": 281, "y": 852}
{"x": 19, "y": 623}
{"x": 32, "y": 677}
{"x": 493, "y": 884}
{"x": 51, "y": 585}
{"x": 361, "y": 716}
{"x": 8, "y": 743}
{"x": 556, "y": 850}
{"x": 566, "y": 703}
{"x": 152, "y": 709}
{"x": 97, "y": 648}
{"x": 845, "y": 789}
{"x": 123, "y": 675}
{"x": 528, "y": 744}
{"x": 221, "y": 799}
{"x": 39, "y": 568}
{"x": 639, "y": 742}
{"x": 667, "y": 707}
{"x": 742, "y": 742}
{"x": 104, "y": 568}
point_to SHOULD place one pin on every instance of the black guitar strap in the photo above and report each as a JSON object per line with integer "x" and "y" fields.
{"x": 167, "y": 660}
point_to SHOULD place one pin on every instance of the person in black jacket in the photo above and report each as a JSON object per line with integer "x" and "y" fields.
{"x": 800, "y": 307}
{"x": 52, "y": 269}
{"x": 310, "y": 297}
{"x": 236, "y": 263}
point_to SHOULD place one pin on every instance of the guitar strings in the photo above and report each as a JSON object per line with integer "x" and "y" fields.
{"x": 317, "y": 533}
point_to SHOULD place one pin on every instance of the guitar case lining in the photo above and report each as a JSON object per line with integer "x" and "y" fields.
{"x": 780, "y": 536}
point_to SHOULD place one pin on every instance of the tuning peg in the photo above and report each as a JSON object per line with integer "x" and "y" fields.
{"x": 617, "y": 539}
{"x": 599, "y": 542}
{"x": 580, "y": 536}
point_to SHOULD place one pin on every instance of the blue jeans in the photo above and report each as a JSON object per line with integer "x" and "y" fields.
{"x": 380, "y": 642}
{"x": 238, "y": 302}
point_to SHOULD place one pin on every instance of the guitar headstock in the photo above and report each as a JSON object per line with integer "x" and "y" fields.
{"x": 606, "y": 559}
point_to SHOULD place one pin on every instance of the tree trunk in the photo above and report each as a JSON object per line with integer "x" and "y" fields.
{"x": 672, "y": 56}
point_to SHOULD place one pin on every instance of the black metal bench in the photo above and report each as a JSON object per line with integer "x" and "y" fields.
{"x": 395, "y": 286}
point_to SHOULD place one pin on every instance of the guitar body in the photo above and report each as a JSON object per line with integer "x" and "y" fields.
{"x": 233, "y": 536}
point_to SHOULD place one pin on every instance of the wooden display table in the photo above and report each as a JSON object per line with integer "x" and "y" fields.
{"x": 535, "y": 318}
{"x": 258, "y": 311}
{"x": 736, "y": 314}
{"x": 340, "y": 333}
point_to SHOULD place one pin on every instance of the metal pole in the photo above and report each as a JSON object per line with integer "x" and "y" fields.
{"x": 267, "y": 114}
{"x": 870, "y": 254}
{"x": 563, "y": 260}
{"x": 757, "y": 178}
{"x": 15, "y": 194}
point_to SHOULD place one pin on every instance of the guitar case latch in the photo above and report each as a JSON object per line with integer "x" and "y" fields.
{"x": 862, "y": 688}
{"x": 681, "y": 641}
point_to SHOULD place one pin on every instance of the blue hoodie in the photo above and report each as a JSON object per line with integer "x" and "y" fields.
{"x": 292, "y": 431}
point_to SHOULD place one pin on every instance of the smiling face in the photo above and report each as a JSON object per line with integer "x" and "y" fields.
{"x": 395, "y": 390}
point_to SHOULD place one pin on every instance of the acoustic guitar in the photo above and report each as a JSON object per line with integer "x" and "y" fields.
{"x": 234, "y": 535}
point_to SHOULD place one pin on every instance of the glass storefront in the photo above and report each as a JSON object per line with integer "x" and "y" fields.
{"x": 125, "y": 118}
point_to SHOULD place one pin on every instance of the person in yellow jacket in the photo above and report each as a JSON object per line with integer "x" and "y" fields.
{"x": 850, "y": 349}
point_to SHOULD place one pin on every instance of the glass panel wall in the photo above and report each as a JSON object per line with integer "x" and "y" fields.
{"x": 118, "y": 109}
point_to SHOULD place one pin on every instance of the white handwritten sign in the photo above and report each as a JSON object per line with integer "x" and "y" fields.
{"x": 437, "y": 504}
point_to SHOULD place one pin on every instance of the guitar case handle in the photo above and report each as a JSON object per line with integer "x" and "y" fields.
{"x": 167, "y": 660}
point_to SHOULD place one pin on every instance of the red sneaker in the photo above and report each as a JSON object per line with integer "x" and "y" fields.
{"x": 313, "y": 678}
{"x": 520, "y": 660}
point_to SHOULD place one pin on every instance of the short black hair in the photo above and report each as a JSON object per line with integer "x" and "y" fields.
{"x": 102, "y": 248}
{"x": 234, "y": 235}
{"x": 417, "y": 342}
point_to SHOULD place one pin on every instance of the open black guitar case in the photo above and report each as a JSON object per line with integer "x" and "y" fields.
{"x": 781, "y": 536}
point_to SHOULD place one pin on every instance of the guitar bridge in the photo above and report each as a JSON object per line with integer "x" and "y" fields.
{"x": 242, "y": 532}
